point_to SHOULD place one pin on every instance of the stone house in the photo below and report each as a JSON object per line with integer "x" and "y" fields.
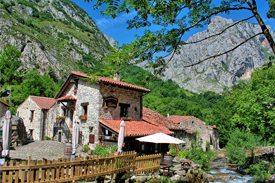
{"x": 208, "y": 134}
{"x": 3, "y": 108}
{"x": 35, "y": 113}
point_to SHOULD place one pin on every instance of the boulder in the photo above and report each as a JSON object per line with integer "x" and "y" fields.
{"x": 210, "y": 178}
{"x": 220, "y": 156}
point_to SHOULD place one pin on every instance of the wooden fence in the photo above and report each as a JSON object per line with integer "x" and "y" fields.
{"x": 64, "y": 170}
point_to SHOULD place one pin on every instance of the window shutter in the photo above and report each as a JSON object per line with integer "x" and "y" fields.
{"x": 92, "y": 138}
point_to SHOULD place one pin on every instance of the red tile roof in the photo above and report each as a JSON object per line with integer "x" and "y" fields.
{"x": 112, "y": 81}
{"x": 135, "y": 128}
{"x": 178, "y": 119}
{"x": 43, "y": 102}
{"x": 214, "y": 127}
{"x": 66, "y": 98}
{"x": 156, "y": 118}
{"x": 4, "y": 103}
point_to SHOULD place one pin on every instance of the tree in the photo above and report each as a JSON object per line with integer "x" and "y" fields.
{"x": 9, "y": 66}
{"x": 175, "y": 18}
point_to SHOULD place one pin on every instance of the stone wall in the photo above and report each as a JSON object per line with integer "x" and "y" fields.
{"x": 24, "y": 112}
{"x": 203, "y": 132}
{"x": 182, "y": 135}
{"x": 124, "y": 96}
{"x": 51, "y": 119}
{"x": 86, "y": 93}
{"x": 3, "y": 109}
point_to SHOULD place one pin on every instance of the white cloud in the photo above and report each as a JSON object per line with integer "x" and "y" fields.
{"x": 108, "y": 22}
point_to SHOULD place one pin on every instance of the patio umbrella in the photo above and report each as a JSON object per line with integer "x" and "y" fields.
{"x": 160, "y": 138}
{"x": 121, "y": 136}
{"x": 75, "y": 135}
{"x": 6, "y": 137}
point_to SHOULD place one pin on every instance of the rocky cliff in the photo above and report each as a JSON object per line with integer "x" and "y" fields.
{"x": 51, "y": 34}
{"x": 223, "y": 71}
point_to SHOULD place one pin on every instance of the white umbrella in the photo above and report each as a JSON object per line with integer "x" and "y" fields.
{"x": 121, "y": 136}
{"x": 160, "y": 138}
{"x": 75, "y": 134}
{"x": 6, "y": 137}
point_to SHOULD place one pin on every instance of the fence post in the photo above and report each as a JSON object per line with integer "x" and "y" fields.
{"x": 134, "y": 161}
{"x": 29, "y": 172}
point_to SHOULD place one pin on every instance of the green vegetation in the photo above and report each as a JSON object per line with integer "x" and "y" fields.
{"x": 22, "y": 83}
{"x": 248, "y": 105}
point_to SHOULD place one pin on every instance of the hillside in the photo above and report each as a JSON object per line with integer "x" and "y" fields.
{"x": 51, "y": 35}
{"x": 223, "y": 71}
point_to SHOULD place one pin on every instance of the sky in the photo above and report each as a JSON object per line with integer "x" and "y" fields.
{"x": 116, "y": 28}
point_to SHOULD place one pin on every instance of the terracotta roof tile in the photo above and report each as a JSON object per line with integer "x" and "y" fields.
{"x": 135, "y": 128}
{"x": 66, "y": 98}
{"x": 4, "y": 103}
{"x": 158, "y": 119}
{"x": 43, "y": 102}
{"x": 112, "y": 81}
{"x": 178, "y": 119}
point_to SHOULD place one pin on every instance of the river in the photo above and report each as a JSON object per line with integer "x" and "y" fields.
{"x": 226, "y": 174}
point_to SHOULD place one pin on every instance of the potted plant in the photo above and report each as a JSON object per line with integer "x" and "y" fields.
{"x": 83, "y": 117}
{"x": 99, "y": 137}
{"x": 60, "y": 118}
{"x": 70, "y": 139}
{"x": 114, "y": 136}
{"x": 126, "y": 118}
{"x": 30, "y": 118}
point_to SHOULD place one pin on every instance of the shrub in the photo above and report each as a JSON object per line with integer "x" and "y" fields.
{"x": 173, "y": 150}
{"x": 114, "y": 148}
{"x": 183, "y": 154}
{"x": 101, "y": 149}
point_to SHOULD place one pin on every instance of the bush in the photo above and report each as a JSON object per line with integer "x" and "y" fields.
{"x": 173, "y": 150}
{"x": 114, "y": 148}
{"x": 183, "y": 154}
{"x": 101, "y": 149}
{"x": 260, "y": 171}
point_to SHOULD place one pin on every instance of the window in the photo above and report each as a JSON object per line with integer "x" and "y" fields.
{"x": 64, "y": 111}
{"x": 85, "y": 108}
{"x": 31, "y": 115}
{"x": 124, "y": 109}
{"x": 110, "y": 102}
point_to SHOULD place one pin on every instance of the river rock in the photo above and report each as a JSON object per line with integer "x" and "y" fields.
{"x": 210, "y": 178}
{"x": 181, "y": 172}
{"x": 177, "y": 159}
{"x": 220, "y": 156}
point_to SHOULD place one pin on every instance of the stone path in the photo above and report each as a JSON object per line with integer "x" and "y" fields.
{"x": 38, "y": 150}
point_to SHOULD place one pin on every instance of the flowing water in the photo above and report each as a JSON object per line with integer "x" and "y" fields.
{"x": 227, "y": 174}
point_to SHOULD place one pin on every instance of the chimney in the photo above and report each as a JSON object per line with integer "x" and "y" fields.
{"x": 117, "y": 76}
{"x": 167, "y": 115}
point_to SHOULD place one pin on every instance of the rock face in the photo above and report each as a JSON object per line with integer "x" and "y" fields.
{"x": 225, "y": 70}
{"x": 51, "y": 34}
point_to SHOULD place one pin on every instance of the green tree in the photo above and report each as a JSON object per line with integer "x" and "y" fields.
{"x": 249, "y": 105}
{"x": 10, "y": 72}
{"x": 174, "y": 19}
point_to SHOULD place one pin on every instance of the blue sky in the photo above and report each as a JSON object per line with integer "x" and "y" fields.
{"x": 116, "y": 28}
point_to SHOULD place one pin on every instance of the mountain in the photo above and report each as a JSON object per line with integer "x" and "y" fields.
{"x": 54, "y": 35}
{"x": 223, "y": 71}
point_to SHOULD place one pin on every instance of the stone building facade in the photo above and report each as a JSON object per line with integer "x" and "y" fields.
{"x": 193, "y": 125}
{"x": 105, "y": 99}
{"x": 3, "y": 108}
{"x": 34, "y": 112}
